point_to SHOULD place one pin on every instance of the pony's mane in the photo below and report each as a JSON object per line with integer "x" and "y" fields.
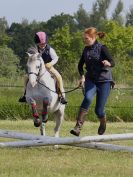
{"x": 31, "y": 53}
{"x": 32, "y": 50}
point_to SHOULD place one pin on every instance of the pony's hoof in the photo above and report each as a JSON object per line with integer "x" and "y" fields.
{"x": 74, "y": 132}
{"x": 37, "y": 122}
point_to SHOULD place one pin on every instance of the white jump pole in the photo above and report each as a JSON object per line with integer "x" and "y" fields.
{"x": 18, "y": 135}
{"x": 67, "y": 140}
{"x": 45, "y": 141}
{"x": 105, "y": 146}
{"x": 92, "y": 145}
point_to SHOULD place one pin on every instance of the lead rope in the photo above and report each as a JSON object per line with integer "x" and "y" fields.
{"x": 55, "y": 91}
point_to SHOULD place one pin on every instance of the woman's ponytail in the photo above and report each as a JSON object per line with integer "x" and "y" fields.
{"x": 101, "y": 34}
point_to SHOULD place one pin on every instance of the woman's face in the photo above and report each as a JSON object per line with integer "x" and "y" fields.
{"x": 89, "y": 40}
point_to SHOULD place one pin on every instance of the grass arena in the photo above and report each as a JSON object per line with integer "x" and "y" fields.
{"x": 72, "y": 160}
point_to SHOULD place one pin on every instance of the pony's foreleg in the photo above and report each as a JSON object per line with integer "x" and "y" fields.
{"x": 59, "y": 117}
{"x": 35, "y": 114}
{"x": 44, "y": 116}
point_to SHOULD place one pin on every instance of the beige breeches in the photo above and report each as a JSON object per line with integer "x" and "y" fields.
{"x": 58, "y": 77}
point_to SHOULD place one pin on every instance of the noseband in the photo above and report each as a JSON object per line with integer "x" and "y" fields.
{"x": 33, "y": 73}
{"x": 37, "y": 74}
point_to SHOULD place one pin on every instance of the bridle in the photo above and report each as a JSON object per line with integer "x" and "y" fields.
{"x": 38, "y": 75}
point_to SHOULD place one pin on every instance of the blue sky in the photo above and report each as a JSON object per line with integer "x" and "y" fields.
{"x": 43, "y": 10}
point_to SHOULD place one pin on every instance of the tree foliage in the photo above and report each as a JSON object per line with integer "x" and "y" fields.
{"x": 58, "y": 21}
{"x": 99, "y": 13}
{"x": 22, "y": 39}
{"x": 116, "y": 16}
{"x": 68, "y": 52}
{"x": 82, "y": 18}
{"x": 129, "y": 17}
{"x": 9, "y": 62}
{"x": 119, "y": 41}
{"x": 65, "y": 36}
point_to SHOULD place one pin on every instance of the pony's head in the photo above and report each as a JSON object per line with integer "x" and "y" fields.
{"x": 34, "y": 65}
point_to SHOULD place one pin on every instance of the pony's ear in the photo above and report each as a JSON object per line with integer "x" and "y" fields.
{"x": 31, "y": 51}
{"x": 29, "y": 54}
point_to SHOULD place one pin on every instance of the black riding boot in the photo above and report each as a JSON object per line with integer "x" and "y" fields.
{"x": 79, "y": 124}
{"x": 22, "y": 99}
{"x": 62, "y": 99}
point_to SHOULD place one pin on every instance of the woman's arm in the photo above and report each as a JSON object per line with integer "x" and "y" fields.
{"x": 81, "y": 64}
{"x": 108, "y": 60}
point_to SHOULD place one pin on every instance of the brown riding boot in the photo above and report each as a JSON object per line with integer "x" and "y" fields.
{"x": 102, "y": 126}
{"x": 79, "y": 124}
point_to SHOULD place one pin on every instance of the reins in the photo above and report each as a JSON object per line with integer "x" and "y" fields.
{"x": 55, "y": 91}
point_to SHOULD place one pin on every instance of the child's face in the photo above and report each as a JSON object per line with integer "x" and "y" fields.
{"x": 41, "y": 46}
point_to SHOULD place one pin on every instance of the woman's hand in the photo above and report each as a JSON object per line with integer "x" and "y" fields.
{"x": 106, "y": 63}
{"x": 82, "y": 81}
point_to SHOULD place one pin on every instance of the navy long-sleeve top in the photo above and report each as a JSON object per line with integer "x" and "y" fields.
{"x": 92, "y": 57}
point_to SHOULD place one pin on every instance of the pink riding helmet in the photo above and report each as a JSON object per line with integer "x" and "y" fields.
{"x": 40, "y": 37}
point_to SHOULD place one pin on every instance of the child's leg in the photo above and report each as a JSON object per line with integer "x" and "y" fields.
{"x": 60, "y": 83}
{"x": 58, "y": 78}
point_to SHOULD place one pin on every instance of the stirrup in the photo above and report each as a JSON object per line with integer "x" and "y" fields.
{"x": 62, "y": 100}
{"x": 22, "y": 99}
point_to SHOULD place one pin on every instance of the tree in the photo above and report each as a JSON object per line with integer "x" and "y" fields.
{"x": 129, "y": 17}
{"x": 82, "y": 18}
{"x": 119, "y": 41}
{"x": 4, "y": 38}
{"x": 3, "y": 25}
{"x": 99, "y": 13}
{"x": 58, "y": 21}
{"x": 68, "y": 52}
{"x": 24, "y": 22}
{"x": 116, "y": 16}
{"x": 22, "y": 39}
{"x": 9, "y": 63}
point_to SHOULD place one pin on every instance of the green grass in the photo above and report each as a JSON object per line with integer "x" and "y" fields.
{"x": 65, "y": 161}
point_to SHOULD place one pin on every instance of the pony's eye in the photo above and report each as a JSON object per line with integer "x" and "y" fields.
{"x": 37, "y": 67}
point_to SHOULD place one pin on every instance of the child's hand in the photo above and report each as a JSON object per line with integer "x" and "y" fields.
{"x": 48, "y": 65}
